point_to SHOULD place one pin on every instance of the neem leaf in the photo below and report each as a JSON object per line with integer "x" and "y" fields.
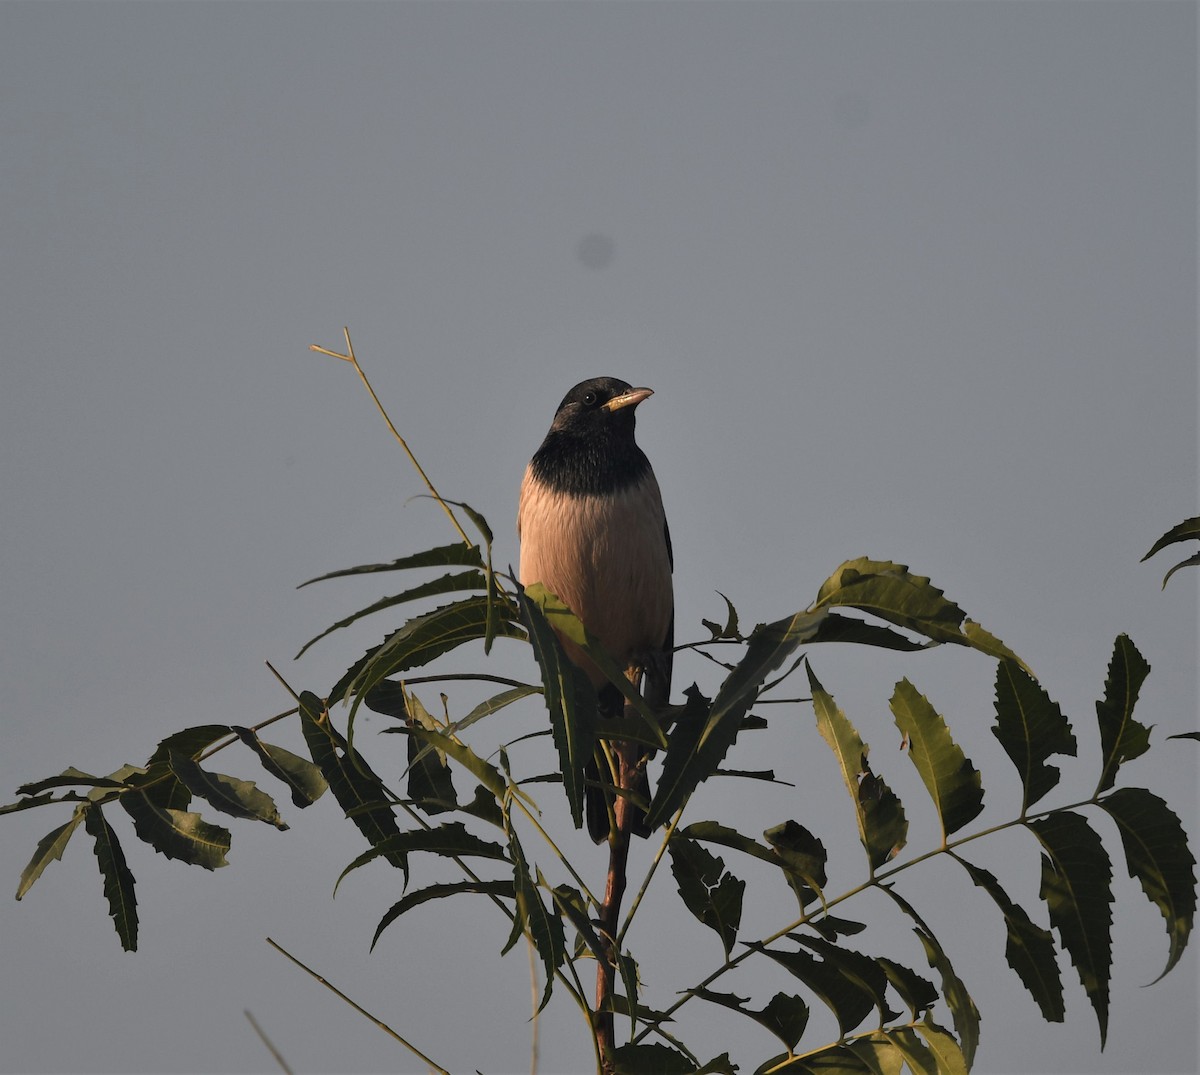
{"x": 708, "y": 890}
{"x": 962, "y": 1008}
{"x": 1121, "y": 737}
{"x": 238, "y": 798}
{"x": 302, "y": 777}
{"x": 1188, "y": 530}
{"x": 1077, "y": 888}
{"x": 1157, "y": 855}
{"x": 882, "y": 826}
{"x": 698, "y": 746}
{"x": 118, "y": 881}
{"x": 541, "y": 925}
{"x": 1029, "y": 950}
{"x": 1031, "y": 728}
{"x": 177, "y": 834}
{"x": 458, "y": 554}
{"x": 951, "y": 780}
{"x": 570, "y": 700}
{"x": 437, "y": 892}
{"x": 49, "y": 848}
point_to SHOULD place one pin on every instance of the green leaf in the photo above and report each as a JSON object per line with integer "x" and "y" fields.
{"x": 1157, "y": 855}
{"x": 1186, "y": 735}
{"x": 708, "y": 890}
{"x": 177, "y": 834}
{"x": 699, "y": 745}
{"x": 835, "y": 628}
{"x": 570, "y": 700}
{"x": 1030, "y": 949}
{"x": 359, "y": 792}
{"x": 951, "y": 780}
{"x": 802, "y": 858}
{"x": 118, "y": 881}
{"x": 1121, "y": 737}
{"x": 573, "y": 908}
{"x": 879, "y": 1054}
{"x": 430, "y": 785}
{"x": 1077, "y": 888}
{"x": 238, "y": 798}
{"x": 44, "y": 799}
{"x": 494, "y": 704}
{"x": 1031, "y": 728}
{"x": 785, "y": 1015}
{"x": 892, "y": 593}
{"x": 833, "y": 1060}
{"x": 420, "y": 640}
{"x": 487, "y": 774}
{"x": 451, "y": 840}
{"x": 916, "y": 1055}
{"x": 302, "y": 777}
{"x": 650, "y": 1060}
{"x": 436, "y": 892}
{"x": 464, "y": 580}
{"x": 843, "y": 994}
{"x": 945, "y": 1049}
{"x": 863, "y": 971}
{"x": 962, "y": 1008}
{"x": 459, "y": 554}
{"x": 70, "y": 777}
{"x": 188, "y": 742}
{"x": 918, "y": 993}
{"x": 542, "y": 926}
{"x": 49, "y": 848}
{"x": 1188, "y": 530}
{"x": 882, "y": 826}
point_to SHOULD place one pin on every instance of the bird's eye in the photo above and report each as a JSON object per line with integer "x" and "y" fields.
{"x": 590, "y": 399}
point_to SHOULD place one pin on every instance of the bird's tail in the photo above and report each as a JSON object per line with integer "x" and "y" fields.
{"x": 631, "y": 758}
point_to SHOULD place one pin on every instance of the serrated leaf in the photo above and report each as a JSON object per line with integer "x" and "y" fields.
{"x": 486, "y": 773}
{"x": 833, "y": 1060}
{"x": 500, "y": 889}
{"x": 916, "y": 1054}
{"x": 842, "y": 994}
{"x": 49, "y": 848}
{"x": 944, "y": 1047}
{"x": 464, "y": 580}
{"x": 118, "y": 881}
{"x": 70, "y": 777}
{"x": 918, "y": 993}
{"x": 238, "y": 798}
{"x": 177, "y": 834}
{"x": 572, "y": 907}
{"x": 422, "y": 639}
{"x": 882, "y": 826}
{"x": 835, "y": 628}
{"x": 1121, "y": 737}
{"x": 541, "y": 925}
{"x": 1188, "y": 530}
{"x": 962, "y": 1008}
{"x": 494, "y": 704}
{"x": 698, "y": 746}
{"x": 187, "y": 741}
{"x": 459, "y": 554}
{"x": 880, "y": 1055}
{"x": 451, "y": 840}
{"x": 1077, "y": 887}
{"x": 1158, "y": 857}
{"x": 1030, "y": 727}
{"x": 1186, "y": 735}
{"x": 801, "y": 856}
{"x": 570, "y": 700}
{"x": 1030, "y": 949}
{"x": 708, "y": 890}
{"x": 952, "y": 781}
{"x": 892, "y": 593}
{"x": 785, "y": 1015}
{"x": 359, "y": 792}
{"x": 650, "y": 1060}
{"x": 863, "y": 971}
{"x": 303, "y": 779}
{"x": 430, "y": 785}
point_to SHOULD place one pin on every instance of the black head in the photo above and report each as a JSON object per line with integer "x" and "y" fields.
{"x": 590, "y": 447}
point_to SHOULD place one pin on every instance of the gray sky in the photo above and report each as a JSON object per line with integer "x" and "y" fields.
{"x": 916, "y": 281}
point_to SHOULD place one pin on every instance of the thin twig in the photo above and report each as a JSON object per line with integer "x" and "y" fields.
{"x": 349, "y": 357}
{"x": 360, "y": 1009}
{"x": 267, "y": 1042}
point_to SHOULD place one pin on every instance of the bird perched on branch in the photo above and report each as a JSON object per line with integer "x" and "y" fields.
{"x": 594, "y": 533}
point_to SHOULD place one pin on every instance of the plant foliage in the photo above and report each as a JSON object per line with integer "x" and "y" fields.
{"x": 478, "y": 812}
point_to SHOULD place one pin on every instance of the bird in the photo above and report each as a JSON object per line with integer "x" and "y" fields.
{"x": 593, "y": 531}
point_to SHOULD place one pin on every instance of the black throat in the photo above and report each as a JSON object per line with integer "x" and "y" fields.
{"x": 600, "y": 461}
